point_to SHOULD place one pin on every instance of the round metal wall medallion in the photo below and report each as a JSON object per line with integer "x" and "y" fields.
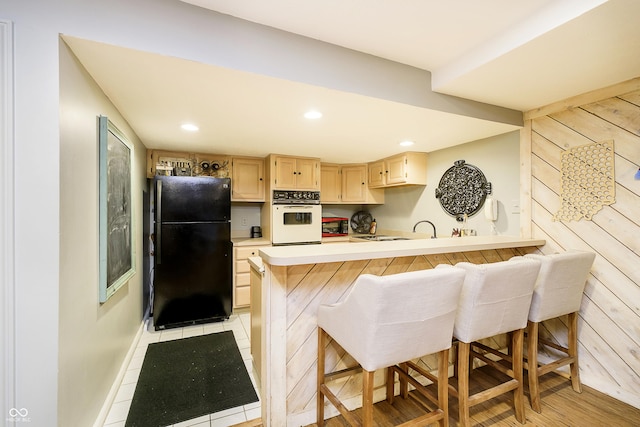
{"x": 463, "y": 189}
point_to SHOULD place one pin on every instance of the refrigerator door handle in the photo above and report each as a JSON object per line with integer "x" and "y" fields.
{"x": 159, "y": 222}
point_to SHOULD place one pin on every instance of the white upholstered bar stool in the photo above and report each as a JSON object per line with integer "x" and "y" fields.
{"x": 387, "y": 320}
{"x": 558, "y": 292}
{"x": 495, "y": 299}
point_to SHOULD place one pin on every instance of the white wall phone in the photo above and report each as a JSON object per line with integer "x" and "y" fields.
{"x": 491, "y": 209}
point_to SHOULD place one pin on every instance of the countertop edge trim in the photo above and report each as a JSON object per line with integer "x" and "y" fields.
{"x": 393, "y": 253}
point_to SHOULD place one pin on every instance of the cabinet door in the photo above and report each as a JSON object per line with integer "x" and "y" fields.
{"x": 286, "y": 173}
{"x": 376, "y": 174}
{"x": 330, "y": 183}
{"x": 395, "y": 169}
{"x": 247, "y": 180}
{"x": 354, "y": 183}
{"x": 307, "y": 174}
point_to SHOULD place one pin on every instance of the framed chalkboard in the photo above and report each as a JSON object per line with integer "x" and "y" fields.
{"x": 116, "y": 218}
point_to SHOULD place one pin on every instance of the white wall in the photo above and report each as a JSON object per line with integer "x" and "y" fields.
{"x": 93, "y": 337}
{"x": 37, "y": 213}
{"x": 243, "y": 217}
{"x": 497, "y": 157}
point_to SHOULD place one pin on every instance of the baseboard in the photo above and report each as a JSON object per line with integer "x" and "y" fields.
{"x": 111, "y": 396}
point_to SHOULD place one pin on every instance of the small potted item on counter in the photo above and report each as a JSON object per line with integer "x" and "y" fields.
{"x": 372, "y": 228}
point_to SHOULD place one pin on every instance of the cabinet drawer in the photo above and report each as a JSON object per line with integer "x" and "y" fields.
{"x": 246, "y": 252}
{"x": 243, "y": 296}
{"x": 243, "y": 279}
{"x": 242, "y": 266}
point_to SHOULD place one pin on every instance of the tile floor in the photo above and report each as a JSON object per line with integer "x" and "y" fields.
{"x": 239, "y": 323}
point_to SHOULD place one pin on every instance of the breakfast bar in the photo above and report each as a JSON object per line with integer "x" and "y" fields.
{"x": 289, "y": 283}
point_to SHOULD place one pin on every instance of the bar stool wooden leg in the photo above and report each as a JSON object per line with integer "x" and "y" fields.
{"x": 573, "y": 351}
{"x": 404, "y": 384}
{"x": 463, "y": 384}
{"x": 454, "y": 345}
{"x": 518, "y": 394}
{"x": 320, "y": 379}
{"x": 532, "y": 363}
{"x": 443, "y": 386}
{"x": 367, "y": 398}
{"x": 391, "y": 378}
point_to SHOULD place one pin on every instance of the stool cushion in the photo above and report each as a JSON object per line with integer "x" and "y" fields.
{"x": 560, "y": 284}
{"x": 385, "y": 320}
{"x": 495, "y": 298}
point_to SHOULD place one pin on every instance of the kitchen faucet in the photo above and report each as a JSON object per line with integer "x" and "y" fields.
{"x": 424, "y": 220}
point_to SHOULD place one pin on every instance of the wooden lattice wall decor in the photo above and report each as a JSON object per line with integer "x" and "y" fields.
{"x": 588, "y": 181}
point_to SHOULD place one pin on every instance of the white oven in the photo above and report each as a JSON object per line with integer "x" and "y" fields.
{"x": 296, "y": 218}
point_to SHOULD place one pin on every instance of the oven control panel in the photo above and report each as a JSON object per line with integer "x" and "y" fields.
{"x": 295, "y": 197}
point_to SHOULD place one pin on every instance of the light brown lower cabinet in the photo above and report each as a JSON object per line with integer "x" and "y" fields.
{"x": 242, "y": 275}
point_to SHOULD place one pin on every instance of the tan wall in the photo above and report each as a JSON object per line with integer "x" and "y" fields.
{"x": 609, "y": 331}
{"x": 93, "y": 338}
{"x": 497, "y": 158}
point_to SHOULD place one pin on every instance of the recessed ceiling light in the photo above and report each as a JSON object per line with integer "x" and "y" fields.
{"x": 312, "y": 114}
{"x": 407, "y": 143}
{"x": 190, "y": 127}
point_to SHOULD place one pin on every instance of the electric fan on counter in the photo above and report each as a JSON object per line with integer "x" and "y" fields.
{"x": 361, "y": 222}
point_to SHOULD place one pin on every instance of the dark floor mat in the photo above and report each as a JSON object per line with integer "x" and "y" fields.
{"x": 188, "y": 378}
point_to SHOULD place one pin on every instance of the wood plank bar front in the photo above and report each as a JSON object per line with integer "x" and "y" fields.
{"x": 291, "y": 295}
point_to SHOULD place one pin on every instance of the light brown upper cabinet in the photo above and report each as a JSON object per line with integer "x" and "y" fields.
{"x": 330, "y": 183}
{"x": 247, "y": 179}
{"x": 376, "y": 174}
{"x": 347, "y": 184}
{"x": 295, "y": 173}
{"x": 402, "y": 169}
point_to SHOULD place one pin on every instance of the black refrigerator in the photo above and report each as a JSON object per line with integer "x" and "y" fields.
{"x": 192, "y": 257}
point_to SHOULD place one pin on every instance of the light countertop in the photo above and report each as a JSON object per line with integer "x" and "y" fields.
{"x": 256, "y": 263}
{"x": 350, "y": 251}
{"x": 248, "y": 241}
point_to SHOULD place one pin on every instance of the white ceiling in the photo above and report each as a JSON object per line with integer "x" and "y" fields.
{"x": 514, "y": 54}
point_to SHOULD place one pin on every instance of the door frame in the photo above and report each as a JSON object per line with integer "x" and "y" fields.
{"x": 7, "y": 219}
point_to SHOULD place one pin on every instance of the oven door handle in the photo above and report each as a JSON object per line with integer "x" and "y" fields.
{"x": 299, "y": 206}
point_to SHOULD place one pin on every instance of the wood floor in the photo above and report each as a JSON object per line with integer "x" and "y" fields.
{"x": 561, "y": 406}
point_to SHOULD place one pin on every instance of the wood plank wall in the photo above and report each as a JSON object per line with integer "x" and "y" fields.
{"x": 309, "y": 286}
{"x": 609, "y": 325}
